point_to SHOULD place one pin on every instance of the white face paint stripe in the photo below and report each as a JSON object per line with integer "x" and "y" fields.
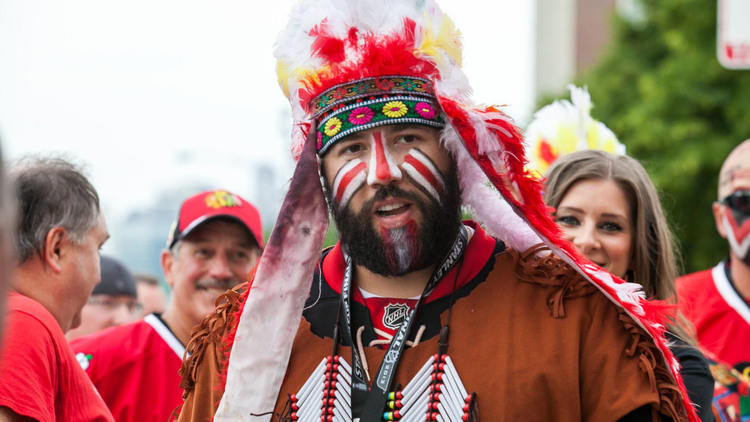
{"x": 424, "y": 165}
{"x": 739, "y": 249}
{"x": 382, "y": 168}
{"x": 357, "y": 182}
{"x": 343, "y": 172}
{"x": 419, "y": 178}
{"x": 348, "y": 180}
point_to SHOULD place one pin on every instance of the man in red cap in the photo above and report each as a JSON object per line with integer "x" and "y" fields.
{"x": 212, "y": 246}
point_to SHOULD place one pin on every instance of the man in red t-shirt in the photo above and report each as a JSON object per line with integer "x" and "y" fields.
{"x": 213, "y": 245}
{"x": 61, "y": 230}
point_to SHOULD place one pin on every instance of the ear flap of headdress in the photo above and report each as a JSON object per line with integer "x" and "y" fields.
{"x": 489, "y": 151}
{"x": 271, "y": 313}
{"x": 495, "y": 148}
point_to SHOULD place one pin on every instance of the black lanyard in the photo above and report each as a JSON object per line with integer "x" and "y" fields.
{"x": 374, "y": 400}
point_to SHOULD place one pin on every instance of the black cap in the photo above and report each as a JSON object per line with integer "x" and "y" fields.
{"x": 116, "y": 279}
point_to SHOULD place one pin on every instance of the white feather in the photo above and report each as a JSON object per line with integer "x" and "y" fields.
{"x": 574, "y": 115}
{"x": 582, "y": 102}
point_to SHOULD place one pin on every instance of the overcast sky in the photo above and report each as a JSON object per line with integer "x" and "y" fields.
{"x": 152, "y": 94}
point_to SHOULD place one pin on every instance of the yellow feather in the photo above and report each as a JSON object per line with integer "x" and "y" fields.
{"x": 447, "y": 39}
{"x": 310, "y": 75}
{"x": 282, "y": 72}
{"x": 305, "y": 75}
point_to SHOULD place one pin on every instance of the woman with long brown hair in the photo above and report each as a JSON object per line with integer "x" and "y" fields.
{"x": 607, "y": 206}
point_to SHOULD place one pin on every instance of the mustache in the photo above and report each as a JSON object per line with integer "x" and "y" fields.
{"x": 215, "y": 283}
{"x": 391, "y": 191}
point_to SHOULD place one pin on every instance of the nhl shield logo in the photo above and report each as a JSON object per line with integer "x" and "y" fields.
{"x": 395, "y": 314}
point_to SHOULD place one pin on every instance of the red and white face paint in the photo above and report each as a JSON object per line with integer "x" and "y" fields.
{"x": 738, "y": 234}
{"x": 382, "y": 168}
{"x": 348, "y": 180}
{"x": 424, "y": 172}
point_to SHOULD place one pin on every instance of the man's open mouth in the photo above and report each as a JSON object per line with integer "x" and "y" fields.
{"x": 392, "y": 209}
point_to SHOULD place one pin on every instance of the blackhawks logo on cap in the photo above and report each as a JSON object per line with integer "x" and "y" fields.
{"x": 222, "y": 199}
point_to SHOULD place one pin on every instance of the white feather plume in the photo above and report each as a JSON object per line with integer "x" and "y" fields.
{"x": 484, "y": 201}
{"x": 293, "y": 49}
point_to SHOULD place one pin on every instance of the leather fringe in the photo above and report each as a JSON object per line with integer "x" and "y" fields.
{"x": 652, "y": 363}
{"x": 537, "y": 266}
{"x": 211, "y": 330}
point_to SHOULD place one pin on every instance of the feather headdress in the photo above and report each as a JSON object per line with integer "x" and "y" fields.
{"x": 567, "y": 126}
{"x": 401, "y": 60}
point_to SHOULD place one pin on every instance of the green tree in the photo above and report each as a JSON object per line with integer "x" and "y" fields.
{"x": 660, "y": 88}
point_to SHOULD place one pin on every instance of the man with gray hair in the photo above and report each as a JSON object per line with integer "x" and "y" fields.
{"x": 60, "y": 232}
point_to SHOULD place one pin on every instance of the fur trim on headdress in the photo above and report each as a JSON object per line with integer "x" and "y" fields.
{"x": 567, "y": 126}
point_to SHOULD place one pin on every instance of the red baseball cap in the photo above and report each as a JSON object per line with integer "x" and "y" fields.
{"x": 212, "y": 204}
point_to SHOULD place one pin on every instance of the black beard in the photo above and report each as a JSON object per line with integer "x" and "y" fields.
{"x": 434, "y": 238}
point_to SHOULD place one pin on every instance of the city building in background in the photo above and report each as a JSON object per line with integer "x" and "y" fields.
{"x": 570, "y": 36}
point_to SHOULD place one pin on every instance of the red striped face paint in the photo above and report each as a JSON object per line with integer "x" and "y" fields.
{"x": 738, "y": 234}
{"x": 348, "y": 180}
{"x": 424, "y": 172}
{"x": 382, "y": 168}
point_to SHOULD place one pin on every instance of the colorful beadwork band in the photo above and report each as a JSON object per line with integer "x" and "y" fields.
{"x": 377, "y": 112}
{"x": 366, "y": 87}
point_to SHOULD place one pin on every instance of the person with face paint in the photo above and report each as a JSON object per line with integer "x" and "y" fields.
{"x": 415, "y": 314}
{"x": 717, "y": 300}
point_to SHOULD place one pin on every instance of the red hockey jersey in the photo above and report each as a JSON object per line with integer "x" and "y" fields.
{"x": 134, "y": 367}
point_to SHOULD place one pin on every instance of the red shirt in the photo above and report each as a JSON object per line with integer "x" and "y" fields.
{"x": 39, "y": 376}
{"x": 387, "y": 314}
{"x": 134, "y": 367}
{"x": 721, "y": 317}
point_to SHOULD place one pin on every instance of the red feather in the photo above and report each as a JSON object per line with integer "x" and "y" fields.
{"x": 325, "y": 45}
{"x": 376, "y": 56}
{"x": 328, "y": 48}
{"x": 547, "y": 153}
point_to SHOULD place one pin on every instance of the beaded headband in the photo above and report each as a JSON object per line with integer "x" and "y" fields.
{"x": 366, "y": 103}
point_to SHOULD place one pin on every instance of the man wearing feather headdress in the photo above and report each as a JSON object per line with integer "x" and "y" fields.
{"x": 415, "y": 314}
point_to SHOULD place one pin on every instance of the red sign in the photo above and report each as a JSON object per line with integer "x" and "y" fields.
{"x": 733, "y": 33}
